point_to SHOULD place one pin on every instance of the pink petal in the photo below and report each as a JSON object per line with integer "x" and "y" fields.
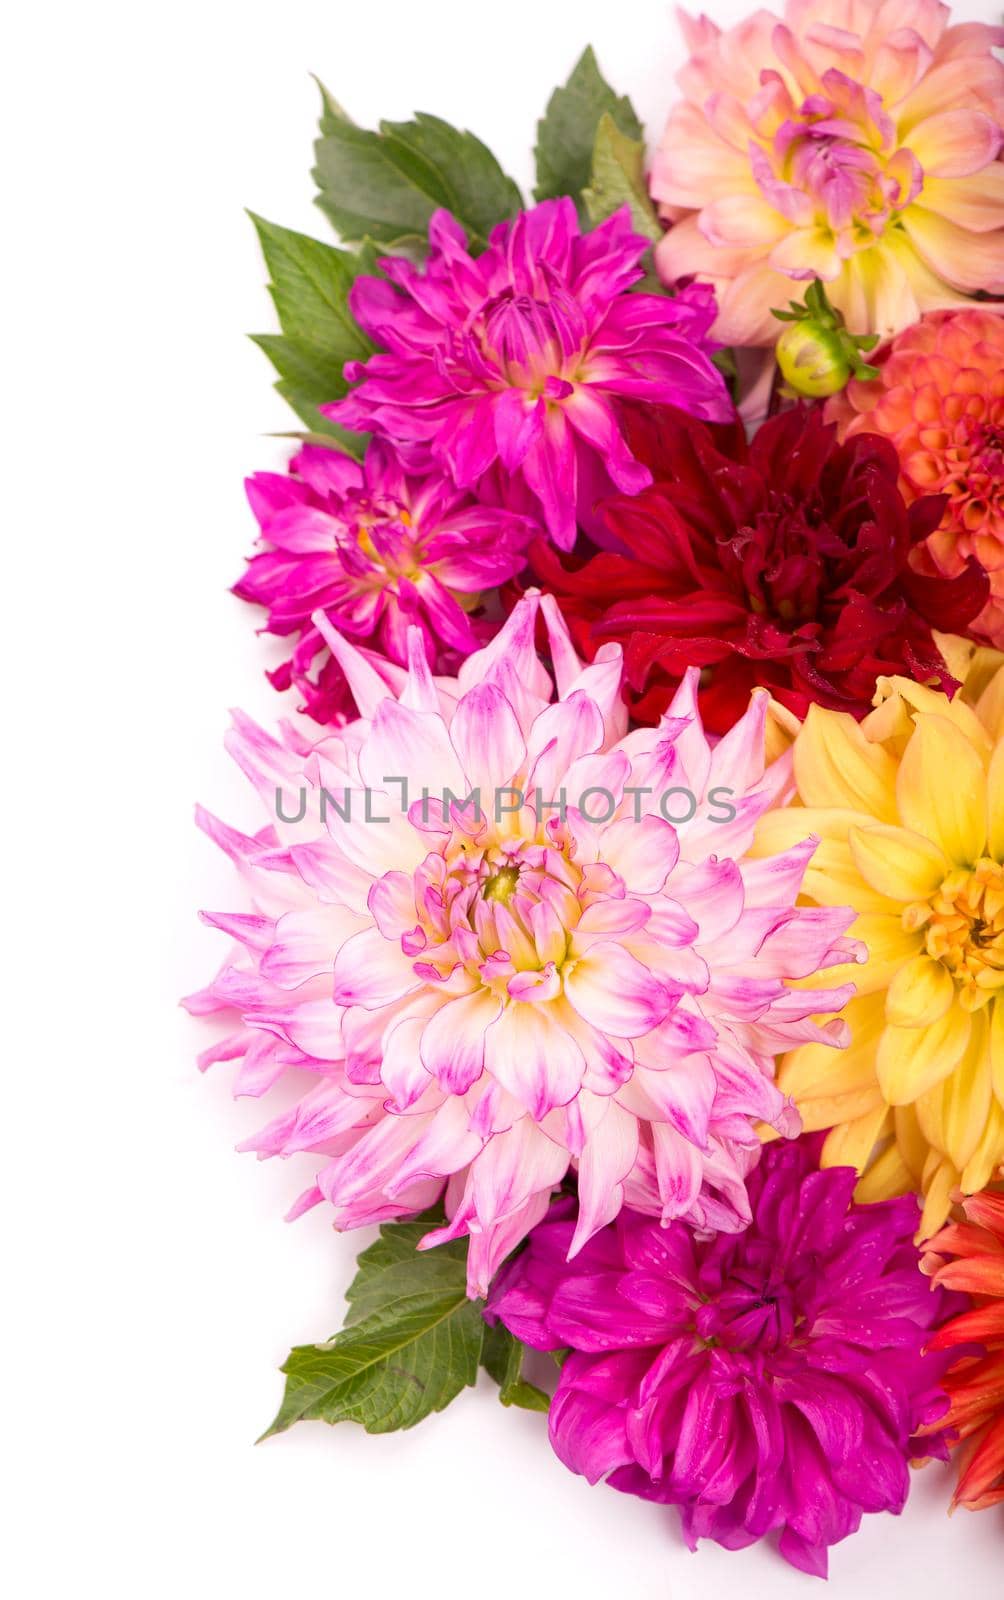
{"x": 642, "y": 853}
{"x": 371, "y": 971}
{"x": 534, "y": 1058}
{"x": 486, "y": 736}
{"x": 606, "y": 1160}
{"x": 409, "y": 744}
{"x": 453, "y": 1042}
{"x": 613, "y": 992}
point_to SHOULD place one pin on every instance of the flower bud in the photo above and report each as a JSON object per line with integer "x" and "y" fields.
{"x": 812, "y": 360}
{"x": 816, "y": 352}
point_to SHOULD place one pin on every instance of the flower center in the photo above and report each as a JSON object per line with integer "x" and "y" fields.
{"x": 781, "y": 560}
{"x": 503, "y": 909}
{"x": 964, "y": 929}
{"x": 987, "y": 447}
{"x": 755, "y": 1309}
{"x": 533, "y": 339}
{"x": 835, "y": 164}
{"x": 383, "y": 534}
{"x": 501, "y": 884}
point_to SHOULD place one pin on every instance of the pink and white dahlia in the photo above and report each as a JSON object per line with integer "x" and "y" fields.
{"x": 497, "y": 960}
{"x": 378, "y": 552}
{"x": 519, "y": 355}
{"x": 857, "y": 141}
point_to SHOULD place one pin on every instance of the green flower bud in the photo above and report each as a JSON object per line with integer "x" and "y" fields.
{"x": 812, "y": 360}
{"x": 816, "y": 353}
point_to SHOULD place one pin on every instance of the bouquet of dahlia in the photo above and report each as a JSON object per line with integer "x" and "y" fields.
{"x": 627, "y": 914}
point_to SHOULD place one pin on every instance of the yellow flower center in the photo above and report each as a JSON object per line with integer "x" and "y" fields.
{"x": 501, "y": 885}
{"x": 963, "y": 927}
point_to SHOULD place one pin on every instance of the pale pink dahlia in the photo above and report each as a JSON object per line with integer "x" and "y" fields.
{"x": 519, "y": 356}
{"x": 857, "y": 141}
{"x": 377, "y": 551}
{"x": 537, "y": 974}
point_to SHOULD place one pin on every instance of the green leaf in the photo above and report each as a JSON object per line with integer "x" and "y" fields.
{"x": 566, "y": 134}
{"x": 385, "y": 185}
{"x": 411, "y": 1342}
{"x": 618, "y": 179}
{"x": 310, "y": 283}
{"x": 502, "y": 1358}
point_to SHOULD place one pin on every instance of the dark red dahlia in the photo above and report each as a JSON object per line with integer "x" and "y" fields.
{"x": 783, "y": 562}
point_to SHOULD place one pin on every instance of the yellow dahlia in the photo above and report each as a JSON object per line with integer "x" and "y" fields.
{"x": 909, "y": 806}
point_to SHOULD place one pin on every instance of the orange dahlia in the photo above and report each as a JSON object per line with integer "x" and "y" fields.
{"x": 939, "y": 397}
{"x": 969, "y": 1256}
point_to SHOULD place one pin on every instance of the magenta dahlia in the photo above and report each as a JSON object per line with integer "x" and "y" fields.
{"x": 520, "y": 355}
{"x": 567, "y": 962}
{"x": 769, "y": 1382}
{"x": 377, "y": 551}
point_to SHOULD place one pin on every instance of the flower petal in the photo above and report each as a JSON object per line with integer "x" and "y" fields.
{"x": 941, "y": 789}
{"x": 912, "y": 1060}
{"x": 615, "y": 993}
{"x": 920, "y": 993}
{"x": 903, "y": 865}
{"x": 453, "y": 1040}
{"x": 836, "y": 765}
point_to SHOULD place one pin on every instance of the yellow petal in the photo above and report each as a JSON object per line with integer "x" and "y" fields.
{"x": 920, "y": 993}
{"x": 939, "y": 1186}
{"x": 987, "y": 1158}
{"x": 851, "y": 1144}
{"x": 910, "y": 1141}
{"x": 891, "y": 722}
{"x": 780, "y": 732}
{"x": 834, "y": 1111}
{"x": 833, "y": 879}
{"x": 957, "y": 653}
{"x": 887, "y": 1176}
{"x": 835, "y": 765}
{"x": 941, "y": 790}
{"x": 986, "y": 683}
{"x": 997, "y": 1047}
{"x": 815, "y": 1071}
{"x": 888, "y": 948}
{"x": 792, "y": 825}
{"x": 953, "y": 1115}
{"x": 912, "y": 1060}
{"x": 995, "y": 803}
{"x": 897, "y": 862}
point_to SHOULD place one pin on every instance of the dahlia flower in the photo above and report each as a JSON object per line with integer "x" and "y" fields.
{"x": 534, "y": 971}
{"x": 939, "y": 397}
{"x": 855, "y": 141}
{"x": 376, "y": 551}
{"x": 783, "y": 563}
{"x": 518, "y": 357}
{"x": 969, "y": 1256}
{"x": 770, "y": 1382}
{"x": 910, "y": 808}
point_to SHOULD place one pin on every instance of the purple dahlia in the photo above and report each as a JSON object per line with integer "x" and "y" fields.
{"x": 520, "y": 355}
{"x": 766, "y": 1382}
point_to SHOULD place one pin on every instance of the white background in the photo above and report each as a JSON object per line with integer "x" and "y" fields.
{"x": 152, "y": 1287}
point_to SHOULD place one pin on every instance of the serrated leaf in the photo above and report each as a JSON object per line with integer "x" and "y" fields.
{"x": 385, "y": 185}
{"x": 502, "y": 1358}
{"x": 411, "y": 1342}
{"x": 566, "y": 134}
{"x": 309, "y": 284}
{"x": 617, "y": 179}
